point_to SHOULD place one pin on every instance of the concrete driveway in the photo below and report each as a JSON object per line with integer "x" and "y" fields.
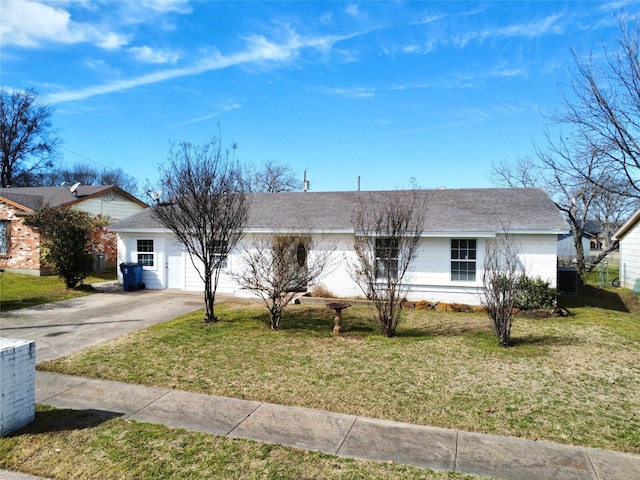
{"x": 64, "y": 327}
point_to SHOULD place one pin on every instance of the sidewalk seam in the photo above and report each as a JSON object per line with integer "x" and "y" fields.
{"x": 84, "y": 380}
{"x": 353, "y": 424}
{"x": 593, "y": 469}
{"x": 148, "y": 404}
{"x": 455, "y": 453}
{"x": 243, "y": 420}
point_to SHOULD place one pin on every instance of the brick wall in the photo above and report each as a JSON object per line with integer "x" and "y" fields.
{"x": 17, "y": 384}
{"x": 105, "y": 241}
{"x": 24, "y": 243}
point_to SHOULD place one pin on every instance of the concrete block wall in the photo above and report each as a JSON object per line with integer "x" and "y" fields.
{"x": 17, "y": 384}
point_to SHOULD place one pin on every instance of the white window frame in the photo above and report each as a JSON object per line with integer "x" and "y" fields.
{"x": 382, "y": 262}
{"x": 463, "y": 255}
{"x": 218, "y": 256}
{"x": 146, "y": 253}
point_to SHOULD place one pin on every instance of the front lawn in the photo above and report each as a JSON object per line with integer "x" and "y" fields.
{"x": 21, "y": 291}
{"x": 570, "y": 380}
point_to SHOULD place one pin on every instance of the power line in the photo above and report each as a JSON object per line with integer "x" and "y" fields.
{"x": 87, "y": 158}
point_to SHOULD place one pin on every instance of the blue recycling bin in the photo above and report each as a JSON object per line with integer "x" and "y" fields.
{"x": 131, "y": 276}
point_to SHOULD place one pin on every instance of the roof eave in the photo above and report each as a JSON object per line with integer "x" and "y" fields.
{"x": 16, "y": 205}
{"x": 111, "y": 188}
{"x": 626, "y": 226}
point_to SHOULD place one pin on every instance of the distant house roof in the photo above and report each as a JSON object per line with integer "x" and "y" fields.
{"x": 448, "y": 211}
{"x": 34, "y": 198}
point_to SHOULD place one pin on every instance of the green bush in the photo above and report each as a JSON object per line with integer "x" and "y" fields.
{"x": 534, "y": 293}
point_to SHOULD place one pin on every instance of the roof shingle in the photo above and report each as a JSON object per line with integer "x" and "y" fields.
{"x": 487, "y": 210}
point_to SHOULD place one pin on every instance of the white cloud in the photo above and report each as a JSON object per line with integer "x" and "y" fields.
{"x": 28, "y": 23}
{"x": 358, "y": 92}
{"x": 148, "y": 55}
{"x": 411, "y": 49}
{"x": 219, "y": 109}
{"x": 538, "y": 28}
{"x": 353, "y": 10}
{"x": 178, "y": 6}
{"x": 259, "y": 50}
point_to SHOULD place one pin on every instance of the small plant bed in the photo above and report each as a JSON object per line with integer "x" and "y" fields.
{"x": 569, "y": 380}
{"x": 83, "y": 446}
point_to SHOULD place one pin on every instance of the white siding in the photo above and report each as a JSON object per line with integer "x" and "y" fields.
{"x": 112, "y": 205}
{"x": 428, "y": 279}
{"x": 153, "y": 277}
{"x": 538, "y": 254}
{"x": 630, "y": 259}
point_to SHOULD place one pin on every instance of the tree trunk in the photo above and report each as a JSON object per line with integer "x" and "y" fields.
{"x": 275, "y": 320}
{"x": 209, "y": 300}
{"x": 601, "y": 257}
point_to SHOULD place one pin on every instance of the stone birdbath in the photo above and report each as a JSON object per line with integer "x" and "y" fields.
{"x": 338, "y": 307}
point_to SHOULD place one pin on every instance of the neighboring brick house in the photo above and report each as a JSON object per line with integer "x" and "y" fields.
{"x": 20, "y": 245}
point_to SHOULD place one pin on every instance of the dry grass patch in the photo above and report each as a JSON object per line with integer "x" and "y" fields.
{"x": 572, "y": 380}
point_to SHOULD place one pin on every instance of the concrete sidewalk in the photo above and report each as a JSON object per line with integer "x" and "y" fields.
{"x": 343, "y": 435}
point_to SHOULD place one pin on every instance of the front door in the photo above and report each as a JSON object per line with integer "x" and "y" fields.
{"x": 175, "y": 266}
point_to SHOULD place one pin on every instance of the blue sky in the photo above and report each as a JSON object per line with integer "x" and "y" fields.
{"x": 386, "y": 91}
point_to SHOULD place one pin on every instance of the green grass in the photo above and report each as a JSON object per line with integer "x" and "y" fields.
{"x": 569, "y": 380}
{"x": 66, "y": 444}
{"x": 21, "y": 291}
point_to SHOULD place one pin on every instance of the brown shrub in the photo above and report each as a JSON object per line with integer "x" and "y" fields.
{"x": 321, "y": 291}
{"x": 461, "y": 307}
{"x": 443, "y": 307}
{"x": 424, "y": 305}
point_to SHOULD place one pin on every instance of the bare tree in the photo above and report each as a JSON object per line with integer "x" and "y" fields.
{"x": 274, "y": 177}
{"x": 602, "y": 105}
{"x": 27, "y": 141}
{"x": 524, "y": 172}
{"x": 206, "y": 208}
{"x": 387, "y": 235}
{"x": 501, "y": 273}
{"x": 279, "y": 266}
{"x": 90, "y": 175}
{"x": 566, "y": 172}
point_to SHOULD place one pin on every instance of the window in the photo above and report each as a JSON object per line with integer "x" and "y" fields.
{"x": 219, "y": 253}
{"x": 463, "y": 260}
{"x": 4, "y": 237}
{"x": 301, "y": 255}
{"x": 146, "y": 254}
{"x": 386, "y": 257}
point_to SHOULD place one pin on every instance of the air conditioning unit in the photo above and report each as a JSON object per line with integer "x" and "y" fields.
{"x": 99, "y": 260}
{"x": 568, "y": 280}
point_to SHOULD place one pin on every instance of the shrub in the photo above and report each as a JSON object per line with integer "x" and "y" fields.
{"x": 424, "y": 305}
{"x": 321, "y": 291}
{"x": 534, "y": 293}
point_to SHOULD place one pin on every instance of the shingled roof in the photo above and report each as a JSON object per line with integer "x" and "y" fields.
{"x": 448, "y": 211}
{"x": 34, "y": 198}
